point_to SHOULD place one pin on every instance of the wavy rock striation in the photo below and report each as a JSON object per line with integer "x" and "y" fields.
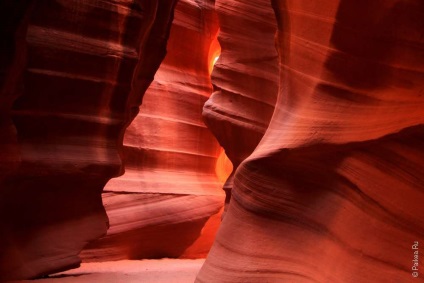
{"x": 245, "y": 79}
{"x": 334, "y": 190}
{"x": 72, "y": 74}
{"x": 167, "y": 202}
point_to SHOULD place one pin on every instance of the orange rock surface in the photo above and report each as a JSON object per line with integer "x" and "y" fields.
{"x": 334, "y": 190}
{"x": 245, "y": 79}
{"x": 170, "y": 189}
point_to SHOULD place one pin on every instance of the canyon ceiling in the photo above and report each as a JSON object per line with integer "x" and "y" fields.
{"x": 123, "y": 136}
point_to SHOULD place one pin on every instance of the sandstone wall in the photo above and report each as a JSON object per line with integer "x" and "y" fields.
{"x": 72, "y": 77}
{"x": 334, "y": 190}
{"x": 245, "y": 79}
{"x": 168, "y": 201}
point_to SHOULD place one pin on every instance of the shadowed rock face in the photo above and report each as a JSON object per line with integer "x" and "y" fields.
{"x": 164, "y": 204}
{"x": 334, "y": 190}
{"x": 72, "y": 74}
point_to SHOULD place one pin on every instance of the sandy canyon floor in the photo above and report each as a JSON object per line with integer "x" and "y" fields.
{"x": 129, "y": 271}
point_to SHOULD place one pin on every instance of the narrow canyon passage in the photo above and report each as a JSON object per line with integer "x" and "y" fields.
{"x": 169, "y": 201}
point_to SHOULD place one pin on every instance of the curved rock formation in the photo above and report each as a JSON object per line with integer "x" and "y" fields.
{"x": 334, "y": 190}
{"x": 170, "y": 191}
{"x": 245, "y": 79}
{"x": 79, "y": 69}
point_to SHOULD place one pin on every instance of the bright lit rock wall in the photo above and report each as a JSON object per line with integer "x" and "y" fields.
{"x": 334, "y": 191}
{"x": 168, "y": 202}
{"x": 245, "y": 79}
{"x": 72, "y": 74}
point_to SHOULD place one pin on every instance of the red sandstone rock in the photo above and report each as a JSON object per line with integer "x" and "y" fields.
{"x": 80, "y": 69}
{"x": 169, "y": 191}
{"x": 334, "y": 190}
{"x": 245, "y": 79}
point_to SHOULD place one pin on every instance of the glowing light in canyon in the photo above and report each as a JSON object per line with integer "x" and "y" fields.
{"x": 224, "y": 167}
{"x": 214, "y": 53}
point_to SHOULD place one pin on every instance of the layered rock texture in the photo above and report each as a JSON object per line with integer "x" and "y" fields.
{"x": 72, "y": 77}
{"x": 334, "y": 191}
{"x": 168, "y": 201}
{"x": 245, "y": 79}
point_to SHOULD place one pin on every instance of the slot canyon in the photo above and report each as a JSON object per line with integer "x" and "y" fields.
{"x": 212, "y": 141}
